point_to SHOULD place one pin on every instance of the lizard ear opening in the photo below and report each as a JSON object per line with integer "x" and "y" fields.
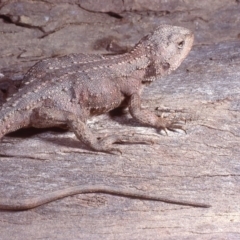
{"x": 150, "y": 72}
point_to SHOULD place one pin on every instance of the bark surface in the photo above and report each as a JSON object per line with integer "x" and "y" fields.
{"x": 202, "y": 165}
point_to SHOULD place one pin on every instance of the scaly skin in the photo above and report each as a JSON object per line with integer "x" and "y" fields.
{"x": 69, "y": 90}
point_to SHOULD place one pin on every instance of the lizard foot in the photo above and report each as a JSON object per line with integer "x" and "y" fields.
{"x": 105, "y": 144}
{"x": 171, "y": 125}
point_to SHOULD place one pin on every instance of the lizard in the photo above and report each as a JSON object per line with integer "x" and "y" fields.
{"x": 69, "y": 90}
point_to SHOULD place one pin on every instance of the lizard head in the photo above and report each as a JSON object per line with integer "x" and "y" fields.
{"x": 166, "y": 48}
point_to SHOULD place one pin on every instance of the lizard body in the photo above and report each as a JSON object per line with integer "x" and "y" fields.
{"x": 69, "y": 90}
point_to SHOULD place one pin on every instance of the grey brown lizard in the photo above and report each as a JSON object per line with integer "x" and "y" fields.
{"x": 69, "y": 90}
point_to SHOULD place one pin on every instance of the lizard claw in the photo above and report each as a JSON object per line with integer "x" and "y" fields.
{"x": 106, "y": 145}
{"x": 176, "y": 125}
{"x": 115, "y": 151}
{"x": 165, "y": 130}
{"x": 165, "y": 125}
{"x": 110, "y": 150}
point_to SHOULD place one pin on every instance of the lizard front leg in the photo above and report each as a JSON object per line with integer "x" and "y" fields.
{"x": 149, "y": 118}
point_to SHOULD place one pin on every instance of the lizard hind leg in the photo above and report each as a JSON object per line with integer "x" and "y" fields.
{"x": 50, "y": 117}
{"x": 84, "y": 134}
{"x": 44, "y": 117}
{"x": 105, "y": 144}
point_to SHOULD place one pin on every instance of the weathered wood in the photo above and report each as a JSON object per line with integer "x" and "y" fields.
{"x": 202, "y": 165}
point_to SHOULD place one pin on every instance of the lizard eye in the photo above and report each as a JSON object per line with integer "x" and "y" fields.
{"x": 181, "y": 44}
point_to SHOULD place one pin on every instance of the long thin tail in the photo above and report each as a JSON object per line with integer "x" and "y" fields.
{"x": 25, "y": 204}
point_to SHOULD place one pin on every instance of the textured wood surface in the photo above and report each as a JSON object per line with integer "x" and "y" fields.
{"x": 202, "y": 165}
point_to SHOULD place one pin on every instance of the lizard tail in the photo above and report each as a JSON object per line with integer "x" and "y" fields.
{"x": 25, "y": 204}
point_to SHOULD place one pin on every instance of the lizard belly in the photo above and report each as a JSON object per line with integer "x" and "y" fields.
{"x": 106, "y": 104}
{"x": 101, "y": 95}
